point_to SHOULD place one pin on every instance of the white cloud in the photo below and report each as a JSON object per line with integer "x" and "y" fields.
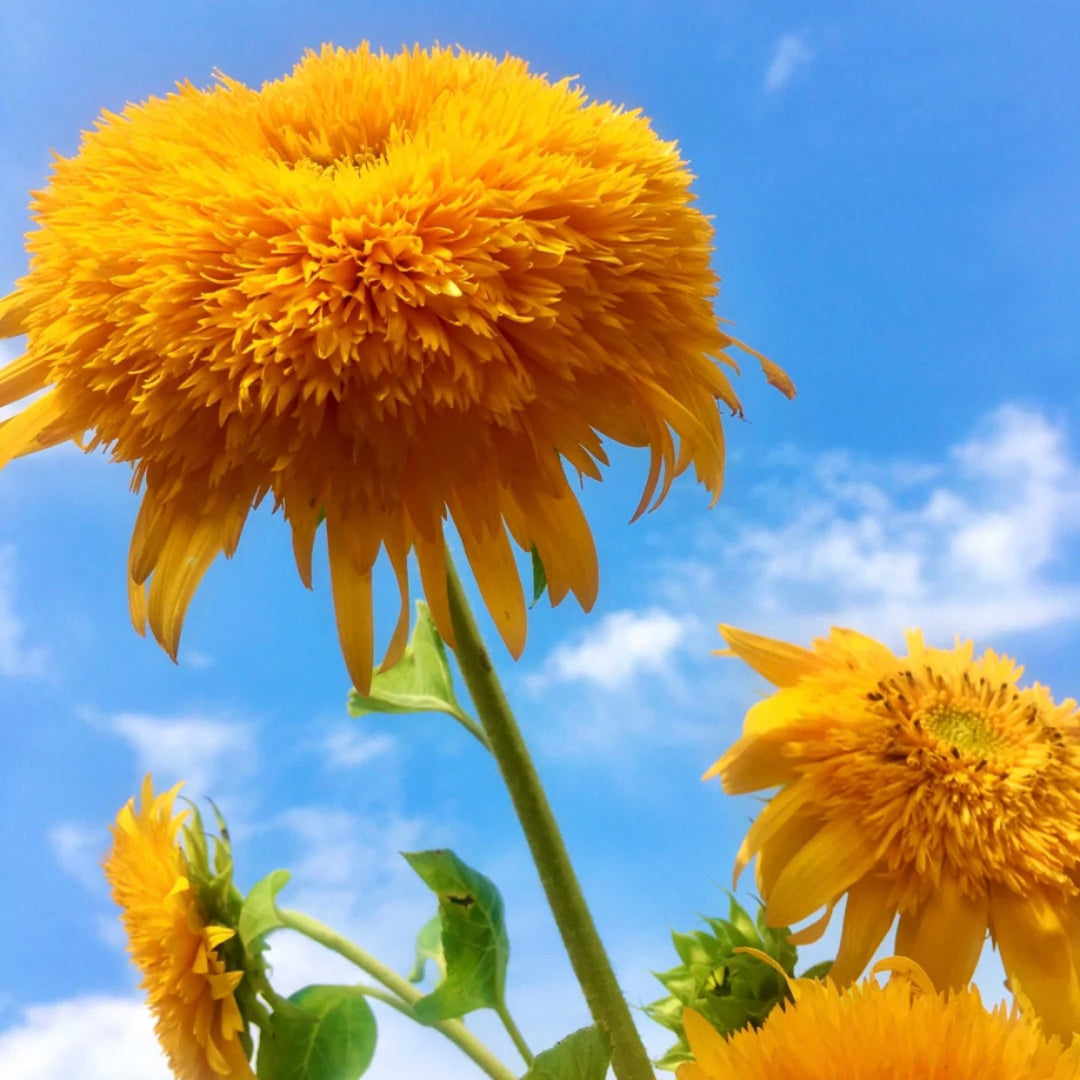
{"x": 346, "y": 747}
{"x": 620, "y": 647}
{"x": 198, "y": 749}
{"x": 15, "y": 658}
{"x": 790, "y": 53}
{"x": 975, "y": 545}
{"x": 78, "y": 849}
{"x": 92, "y": 1038}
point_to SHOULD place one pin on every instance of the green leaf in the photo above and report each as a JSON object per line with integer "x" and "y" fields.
{"x": 584, "y": 1055}
{"x": 335, "y": 1040}
{"x": 539, "y": 578}
{"x": 419, "y": 682}
{"x": 817, "y": 971}
{"x": 474, "y": 937}
{"x": 259, "y": 914}
{"x": 428, "y": 947}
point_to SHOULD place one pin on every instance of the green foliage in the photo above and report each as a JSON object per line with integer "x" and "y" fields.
{"x": 419, "y": 682}
{"x": 259, "y": 915}
{"x": 329, "y": 1035}
{"x": 539, "y": 578}
{"x": 428, "y": 947}
{"x": 474, "y": 939}
{"x": 731, "y": 990}
{"x": 584, "y": 1055}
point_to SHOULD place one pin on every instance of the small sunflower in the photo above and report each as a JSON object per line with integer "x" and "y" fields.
{"x": 384, "y": 289}
{"x": 190, "y": 989}
{"x": 928, "y": 785}
{"x": 899, "y": 1031}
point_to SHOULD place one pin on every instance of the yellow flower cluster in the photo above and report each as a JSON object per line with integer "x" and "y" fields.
{"x": 929, "y": 786}
{"x": 385, "y": 290}
{"x": 188, "y": 985}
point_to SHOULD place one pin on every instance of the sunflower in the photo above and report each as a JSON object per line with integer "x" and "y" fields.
{"x": 928, "y": 785}
{"x": 898, "y": 1031}
{"x": 189, "y": 988}
{"x": 386, "y": 290}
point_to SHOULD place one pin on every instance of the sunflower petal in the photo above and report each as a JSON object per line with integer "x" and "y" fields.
{"x": 831, "y": 862}
{"x": 781, "y": 663}
{"x": 868, "y": 914}
{"x": 1036, "y": 949}
{"x": 944, "y": 935}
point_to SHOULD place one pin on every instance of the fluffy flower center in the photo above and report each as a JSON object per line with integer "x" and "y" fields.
{"x": 948, "y": 765}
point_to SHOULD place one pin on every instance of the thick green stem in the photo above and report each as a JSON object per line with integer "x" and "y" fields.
{"x": 454, "y": 1030}
{"x": 586, "y": 951}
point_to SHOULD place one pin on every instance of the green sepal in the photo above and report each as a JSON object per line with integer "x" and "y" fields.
{"x": 428, "y": 947}
{"x": 259, "y": 913}
{"x": 474, "y": 938}
{"x": 419, "y": 682}
{"x": 539, "y": 576}
{"x": 731, "y": 990}
{"x": 818, "y": 971}
{"x": 583, "y": 1055}
{"x": 329, "y": 1035}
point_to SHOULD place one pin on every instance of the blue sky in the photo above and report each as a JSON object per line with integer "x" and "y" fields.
{"x": 895, "y": 191}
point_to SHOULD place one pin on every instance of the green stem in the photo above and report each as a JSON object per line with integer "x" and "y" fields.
{"x": 583, "y": 945}
{"x": 515, "y": 1033}
{"x": 454, "y": 1030}
{"x": 472, "y": 727}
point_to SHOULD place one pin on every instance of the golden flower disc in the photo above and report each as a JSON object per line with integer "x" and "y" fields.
{"x": 189, "y": 989}
{"x": 929, "y": 785}
{"x": 390, "y": 289}
{"x": 874, "y": 1032}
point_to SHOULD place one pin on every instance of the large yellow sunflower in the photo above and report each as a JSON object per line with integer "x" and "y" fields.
{"x": 189, "y": 988}
{"x": 926, "y": 784}
{"x": 898, "y": 1031}
{"x": 387, "y": 289}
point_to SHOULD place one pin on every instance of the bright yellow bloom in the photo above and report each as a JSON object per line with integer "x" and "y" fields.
{"x": 874, "y": 1032}
{"x": 189, "y": 989}
{"x": 387, "y": 289}
{"x": 928, "y": 785}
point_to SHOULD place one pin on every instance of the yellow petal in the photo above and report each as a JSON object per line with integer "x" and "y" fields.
{"x": 14, "y": 309}
{"x": 705, "y": 1042}
{"x": 777, "y": 813}
{"x": 22, "y": 377}
{"x": 496, "y": 573}
{"x": 945, "y": 934}
{"x": 867, "y": 918}
{"x": 753, "y": 763}
{"x": 811, "y": 933}
{"x": 1036, "y": 948}
{"x": 32, "y": 428}
{"x": 782, "y": 664}
{"x": 832, "y": 861}
{"x": 350, "y": 581}
{"x": 781, "y": 847}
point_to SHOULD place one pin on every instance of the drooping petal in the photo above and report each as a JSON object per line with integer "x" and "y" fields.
{"x": 832, "y": 861}
{"x": 1037, "y": 951}
{"x": 868, "y": 914}
{"x": 945, "y": 934}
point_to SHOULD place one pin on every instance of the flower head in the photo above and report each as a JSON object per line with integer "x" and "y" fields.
{"x": 189, "y": 986}
{"x": 928, "y": 785}
{"x": 871, "y": 1032}
{"x": 383, "y": 289}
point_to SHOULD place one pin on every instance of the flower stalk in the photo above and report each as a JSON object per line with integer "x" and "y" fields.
{"x": 565, "y": 898}
{"x": 408, "y": 995}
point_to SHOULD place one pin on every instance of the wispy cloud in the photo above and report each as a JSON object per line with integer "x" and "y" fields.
{"x": 790, "y": 53}
{"x": 198, "y": 749}
{"x": 971, "y": 545}
{"x": 78, "y": 849}
{"x": 15, "y": 658}
{"x": 93, "y": 1038}
{"x": 622, "y": 646}
{"x": 346, "y": 747}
